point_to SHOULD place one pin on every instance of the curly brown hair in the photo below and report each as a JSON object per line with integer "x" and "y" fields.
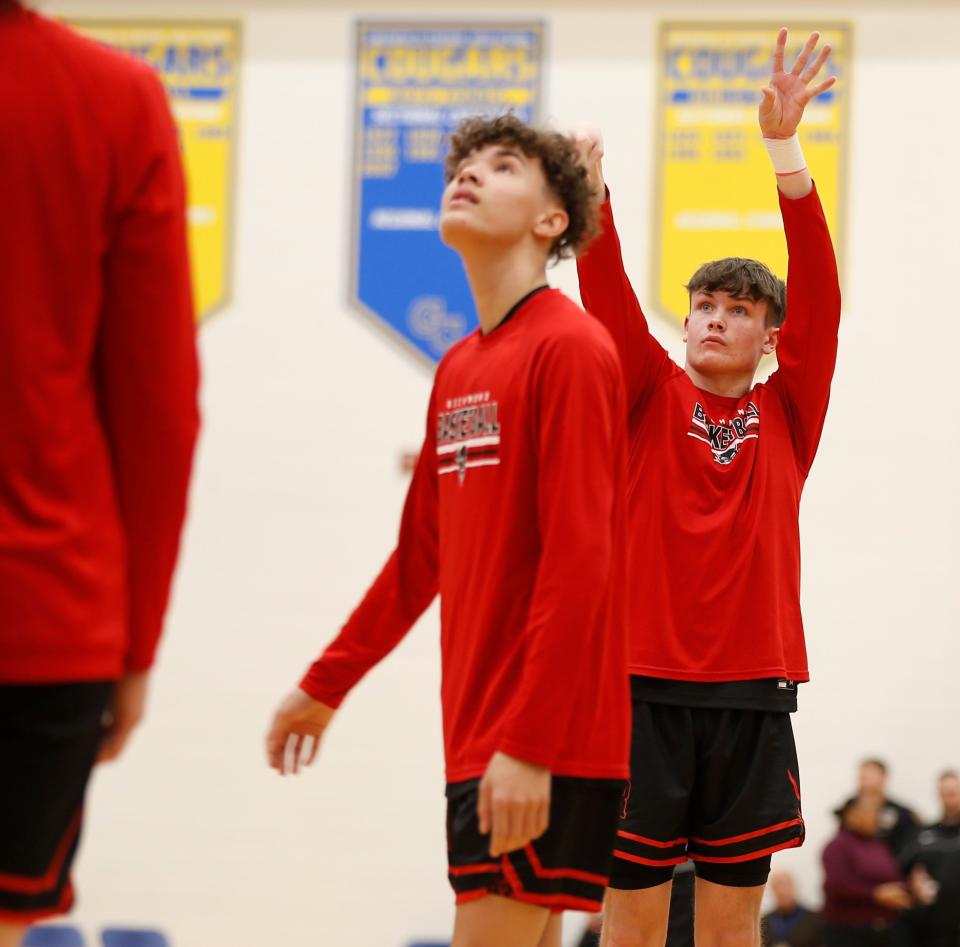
{"x": 564, "y": 174}
{"x": 744, "y": 279}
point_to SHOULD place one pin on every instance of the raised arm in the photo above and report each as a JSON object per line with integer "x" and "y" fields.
{"x": 405, "y": 587}
{"x": 807, "y": 349}
{"x": 605, "y": 289}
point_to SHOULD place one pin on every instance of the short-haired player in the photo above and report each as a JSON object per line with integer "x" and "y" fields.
{"x": 717, "y": 468}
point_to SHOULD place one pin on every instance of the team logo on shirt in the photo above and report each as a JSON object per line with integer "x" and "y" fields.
{"x": 725, "y": 436}
{"x": 468, "y": 435}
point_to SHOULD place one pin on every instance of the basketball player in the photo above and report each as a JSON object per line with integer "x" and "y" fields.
{"x": 717, "y": 467}
{"x": 98, "y": 417}
{"x": 515, "y": 515}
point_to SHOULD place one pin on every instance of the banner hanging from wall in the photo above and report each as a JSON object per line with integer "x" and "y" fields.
{"x": 199, "y": 62}
{"x": 415, "y": 83}
{"x": 715, "y": 191}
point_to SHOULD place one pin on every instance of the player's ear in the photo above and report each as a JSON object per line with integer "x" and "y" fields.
{"x": 686, "y": 323}
{"x": 771, "y": 339}
{"x": 552, "y": 223}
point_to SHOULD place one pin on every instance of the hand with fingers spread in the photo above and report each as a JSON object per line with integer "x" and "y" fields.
{"x": 788, "y": 93}
{"x": 513, "y": 803}
{"x": 294, "y": 737}
{"x": 589, "y": 144}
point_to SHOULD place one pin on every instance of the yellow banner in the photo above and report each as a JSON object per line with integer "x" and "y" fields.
{"x": 199, "y": 63}
{"x": 715, "y": 188}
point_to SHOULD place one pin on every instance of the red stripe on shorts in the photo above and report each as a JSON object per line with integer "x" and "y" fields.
{"x": 651, "y": 841}
{"x": 748, "y": 835}
{"x": 465, "y": 897}
{"x": 33, "y": 884}
{"x": 575, "y": 873}
{"x": 459, "y": 870}
{"x": 565, "y": 902}
{"x": 655, "y": 862}
{"x": 40, "y": 914}
{"x": 790, "y": 843}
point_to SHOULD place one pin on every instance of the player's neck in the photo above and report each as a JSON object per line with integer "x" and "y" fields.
{"x": 733, "y": 385}
{"x": 498, "y": 281}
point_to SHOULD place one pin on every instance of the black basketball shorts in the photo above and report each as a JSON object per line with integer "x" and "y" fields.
{"x": 567, "y": 868}
{"x": 49, "y": 737}
{"x": 718, "y": 786}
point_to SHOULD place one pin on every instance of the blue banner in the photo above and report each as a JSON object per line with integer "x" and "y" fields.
{"x": 415, "y": 83}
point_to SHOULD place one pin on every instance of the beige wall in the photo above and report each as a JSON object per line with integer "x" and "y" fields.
{"x": 298, "y": 490}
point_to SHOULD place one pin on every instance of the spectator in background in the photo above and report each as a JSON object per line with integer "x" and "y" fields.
{"x": 933, "y": 864}
{"x": 864, "y": 890}
{"x": 898, "y": 826}
{"x": 789, "y": 923}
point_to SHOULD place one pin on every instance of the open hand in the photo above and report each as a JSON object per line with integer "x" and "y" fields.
{"x": 294, "y": 737}
{"x": 788, "y": 93}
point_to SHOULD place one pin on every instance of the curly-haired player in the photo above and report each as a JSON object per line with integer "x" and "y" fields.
{"x": 516, "y": 517}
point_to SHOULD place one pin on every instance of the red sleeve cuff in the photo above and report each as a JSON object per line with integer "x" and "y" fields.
{"x": 318, "y": 691}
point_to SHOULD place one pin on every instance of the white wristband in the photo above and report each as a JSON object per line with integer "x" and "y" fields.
{"x": 786, "y": 154}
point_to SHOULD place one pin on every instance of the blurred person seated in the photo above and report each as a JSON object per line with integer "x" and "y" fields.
{"x": 898, "y": 825}
{"x": 933, "y": 866}
{"x": 864, "y": 888}
{"x": 790, "y": 923}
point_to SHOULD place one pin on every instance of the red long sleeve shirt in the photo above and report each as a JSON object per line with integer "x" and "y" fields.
{"x": 516, "y": 516}
{"x": 715, "y": 483}
{"x": 98, "y": 367}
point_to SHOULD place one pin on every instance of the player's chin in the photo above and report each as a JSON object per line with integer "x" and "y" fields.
{"x": 709, "y": 359}
{"x": 456, "y": 228}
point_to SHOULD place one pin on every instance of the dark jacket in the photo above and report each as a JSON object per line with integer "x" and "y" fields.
{"x": 937, "y": 849}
